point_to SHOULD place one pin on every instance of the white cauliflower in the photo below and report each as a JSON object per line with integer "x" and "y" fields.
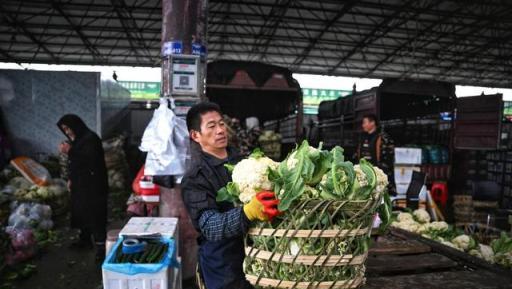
{"x": 421, "y": 215}
{"x": 422, "y": 228}
{"x": 451, "y": 245}
{"x": 251, "y": 176}
{"x": 504, "y": 259}
{"x": 462, "y": 242}
{"x": 438, "y": 226}
{"x": 483, "y": 252}
{"x": 382, "y": 180}
{"x": 403, "y": 217}
{"x": 409, "y": 225}
{"x": 360, "y": 176}
{"x": 486, "y": 253}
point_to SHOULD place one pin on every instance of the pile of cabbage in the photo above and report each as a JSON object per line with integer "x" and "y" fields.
{"x": 307, "y": 173}
{"x": 499, "y": 251}
{"x": 23, "y": 190}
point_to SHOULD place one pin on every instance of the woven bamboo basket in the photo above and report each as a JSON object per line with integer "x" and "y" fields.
{"x": 316, "y": 244}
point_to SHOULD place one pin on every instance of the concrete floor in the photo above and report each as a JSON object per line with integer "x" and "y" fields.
{"x": 59, "y": 267}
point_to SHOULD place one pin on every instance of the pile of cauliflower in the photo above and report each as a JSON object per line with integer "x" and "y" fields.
{"x": 419, "y": 222}
{"x": 251, "y": 176}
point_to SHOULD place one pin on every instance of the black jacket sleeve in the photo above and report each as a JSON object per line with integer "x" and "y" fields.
{"x": 198, "y": 197}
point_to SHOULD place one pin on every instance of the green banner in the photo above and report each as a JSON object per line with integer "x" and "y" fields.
{"x": 313, "y": 96}
{"x": 142, "y": 89}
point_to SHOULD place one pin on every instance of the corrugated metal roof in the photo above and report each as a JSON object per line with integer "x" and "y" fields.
{"x": 464, "y": 42}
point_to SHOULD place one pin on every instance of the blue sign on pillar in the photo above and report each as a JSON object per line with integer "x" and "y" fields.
{"x": 196, "y": 48}
{"x": 172, "y": 47}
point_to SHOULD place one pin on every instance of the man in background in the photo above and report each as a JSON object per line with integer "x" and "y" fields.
{"x": 377, "y": 147}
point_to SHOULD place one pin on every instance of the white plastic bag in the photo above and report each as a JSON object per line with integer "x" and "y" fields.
{"x": 166, "y": 141}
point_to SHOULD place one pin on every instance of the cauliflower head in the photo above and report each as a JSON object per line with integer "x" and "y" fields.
{"x": 451, "y": 245}
{"x": 251, "y": 176}
{"x": 486, "y": 252}
{"x": 360, "y": 176}
{"x": 421, "y": 215}
{"x": 462, "y": 242}
{"x": 382, "y": 180}
{"x": 403, "y": 217}
{"x": 438, "y": 226}
{"x": 409, "y": 225}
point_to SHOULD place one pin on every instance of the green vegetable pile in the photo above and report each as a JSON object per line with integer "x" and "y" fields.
{"x": 154, "y": 252}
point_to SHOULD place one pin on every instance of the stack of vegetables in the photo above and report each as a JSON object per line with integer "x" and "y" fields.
{"x": 115, "y": 160}
{"x": 328, "y": 207}
{"x": 499, "y": 251}
{"x": 270, "y": 143}
{"x": 55, "y": 195}
{"x": 117, "y": 171}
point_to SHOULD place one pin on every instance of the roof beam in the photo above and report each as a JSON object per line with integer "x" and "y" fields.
{"x": 270, "y": 26}
{"x": 326, "y": 28}
{"x": 127, "y": 23}
{"x": 8, "y": 56}
{"x": 95, "y": 53}
{"x": 477, "y": 26}
{"x": 12, "y": 22}
{"x": 372, "y": 36}
{"x": 473, "y": 54}
{"x": 426, "y": 31}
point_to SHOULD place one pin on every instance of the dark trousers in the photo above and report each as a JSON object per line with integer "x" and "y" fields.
{"x": 99, "y": 236}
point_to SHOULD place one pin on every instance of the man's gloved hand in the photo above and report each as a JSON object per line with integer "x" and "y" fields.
{"x": 262, "y": 207}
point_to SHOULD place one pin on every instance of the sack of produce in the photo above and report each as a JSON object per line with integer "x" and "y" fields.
{"x": 115, "y": 160}
{"x": 22, "y": 247}
{"x": 30, "y": 216}
{"x": 328, "y": 205}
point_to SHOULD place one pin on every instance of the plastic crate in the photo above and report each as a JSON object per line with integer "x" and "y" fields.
{"x": 142, "y": 276}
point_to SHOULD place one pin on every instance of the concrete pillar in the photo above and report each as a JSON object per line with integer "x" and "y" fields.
{"x": 185, "y": 21}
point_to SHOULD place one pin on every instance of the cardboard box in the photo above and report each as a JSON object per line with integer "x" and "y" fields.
{"x": 408, "y": 156}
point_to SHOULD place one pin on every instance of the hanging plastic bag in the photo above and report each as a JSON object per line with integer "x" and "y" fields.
{"x": 166, "y": 141}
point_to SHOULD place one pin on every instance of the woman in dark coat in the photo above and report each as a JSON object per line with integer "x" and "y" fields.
{"x": 88, "y": 182}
